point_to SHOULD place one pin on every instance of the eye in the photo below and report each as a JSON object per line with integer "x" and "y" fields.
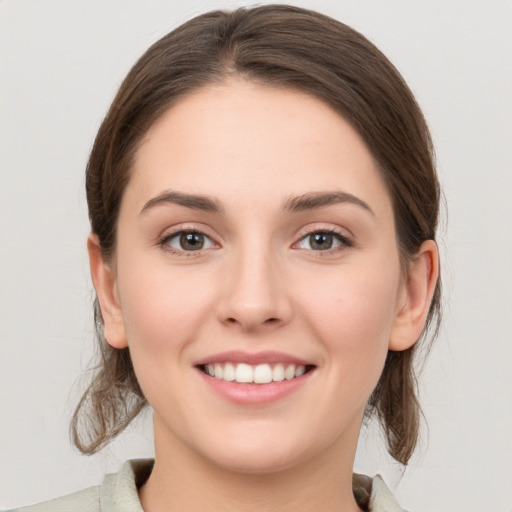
{"x": 323, "y": 241}
{"x": 188, "y": 241}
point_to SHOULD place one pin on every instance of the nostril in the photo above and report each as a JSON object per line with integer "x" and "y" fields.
{"x": 272, "y": 320}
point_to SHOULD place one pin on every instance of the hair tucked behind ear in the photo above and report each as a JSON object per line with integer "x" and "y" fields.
{"x": 292, "y": 48}
{"x": 112, "y": 399}
{"x": 395, "y": 403}
{"x": 394, "y": 400}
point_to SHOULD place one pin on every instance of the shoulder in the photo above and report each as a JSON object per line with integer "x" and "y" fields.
{"x": 373, "y": 495}
{"x": 86, "y": 500}
{"x": 117, "y": 493}
{"x": 381, "y": 498}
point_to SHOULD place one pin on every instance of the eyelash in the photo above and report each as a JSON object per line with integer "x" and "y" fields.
{"x": 343, "y": 240}
{"x": 164, "y": 242}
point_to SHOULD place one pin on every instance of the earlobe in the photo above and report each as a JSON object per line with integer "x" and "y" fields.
{"x": 419, "y": 288}
{"x": 103, "y": 277}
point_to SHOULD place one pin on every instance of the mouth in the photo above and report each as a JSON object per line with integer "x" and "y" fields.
{"x": 255, "y": 379}
{"x": 244, "y": 373}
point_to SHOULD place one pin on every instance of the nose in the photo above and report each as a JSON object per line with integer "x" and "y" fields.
{"x": 254, "y": 293}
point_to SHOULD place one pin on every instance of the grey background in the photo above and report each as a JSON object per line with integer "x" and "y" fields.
{"x": 60, "y": 65}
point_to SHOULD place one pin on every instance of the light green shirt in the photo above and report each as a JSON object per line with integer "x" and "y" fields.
{"x": 118, "y": 493}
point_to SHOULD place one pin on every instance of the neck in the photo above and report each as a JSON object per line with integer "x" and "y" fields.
{"x": 183, "y": 480}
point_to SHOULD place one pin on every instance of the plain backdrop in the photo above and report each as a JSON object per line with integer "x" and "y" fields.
{"x": 60, "y": 65}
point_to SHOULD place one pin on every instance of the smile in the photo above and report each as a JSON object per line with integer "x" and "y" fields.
{"x": 244, "y": 373}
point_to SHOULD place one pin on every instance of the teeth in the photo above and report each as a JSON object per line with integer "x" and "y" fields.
{"x": 244, "y": 373}
{"x": 229, "y": 372}
{"x": 289, "y": 373}
{"x": 278, "y": 373}
{"x": 259, "y": 374}
{"x": 262, "y": 374}
{"x": 300, "y": 370}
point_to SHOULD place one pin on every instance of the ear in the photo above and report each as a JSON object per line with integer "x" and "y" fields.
{"x": 104, "y": 280}
{"x": 416, "y": 296}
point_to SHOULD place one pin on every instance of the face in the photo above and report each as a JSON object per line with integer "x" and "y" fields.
{"x": 256, "y": 279}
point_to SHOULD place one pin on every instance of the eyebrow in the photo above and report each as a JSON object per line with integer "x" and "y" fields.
{"x": 304, "y": 202}
{"x": 193, "y": 201}
{"x": 314, "y": 200}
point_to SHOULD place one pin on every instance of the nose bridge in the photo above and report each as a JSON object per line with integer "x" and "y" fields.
{"x": 254, "y": 293}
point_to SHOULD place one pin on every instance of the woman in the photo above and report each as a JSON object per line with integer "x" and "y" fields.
{"x": 263, "y": 205}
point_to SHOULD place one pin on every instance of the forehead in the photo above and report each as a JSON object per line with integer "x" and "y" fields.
{"x": 249, "y": 141}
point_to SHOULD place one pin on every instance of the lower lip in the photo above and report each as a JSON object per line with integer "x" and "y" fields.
{"x": 255, "y": 394}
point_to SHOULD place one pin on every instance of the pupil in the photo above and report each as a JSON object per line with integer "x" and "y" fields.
{"x": 321, "y": 241}
{"x": 192, "y": 241}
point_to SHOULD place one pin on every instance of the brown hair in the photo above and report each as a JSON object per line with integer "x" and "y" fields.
{"x": 287, "y": 47}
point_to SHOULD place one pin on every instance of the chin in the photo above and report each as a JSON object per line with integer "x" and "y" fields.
{"x": 257, "y": 463}
{"x": 259, "y": 454}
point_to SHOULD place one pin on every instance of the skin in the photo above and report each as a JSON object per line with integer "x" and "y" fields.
{"x": 257, "y": 285}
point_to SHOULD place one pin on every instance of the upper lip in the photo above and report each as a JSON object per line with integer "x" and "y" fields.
{"x": 266, "y": 357}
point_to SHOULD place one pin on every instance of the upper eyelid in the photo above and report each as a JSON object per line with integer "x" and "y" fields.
{"x": 186, "y": 227}
{"x": 322, "y": 227}
{"x": 345, "y": 240}
{"x": 344, "y": 236}
{"x": 163, "y": 243}
{"x": 172, "y": 234}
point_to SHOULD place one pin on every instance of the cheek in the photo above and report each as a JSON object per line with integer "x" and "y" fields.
{"x": 163, "y": 311}
{"x": 352, "y": 311}
{"x": 353, "y": 299}
{"x": 163, "y": 308}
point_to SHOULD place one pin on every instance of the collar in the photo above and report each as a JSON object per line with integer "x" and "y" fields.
{"x": 118, "y": 492}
